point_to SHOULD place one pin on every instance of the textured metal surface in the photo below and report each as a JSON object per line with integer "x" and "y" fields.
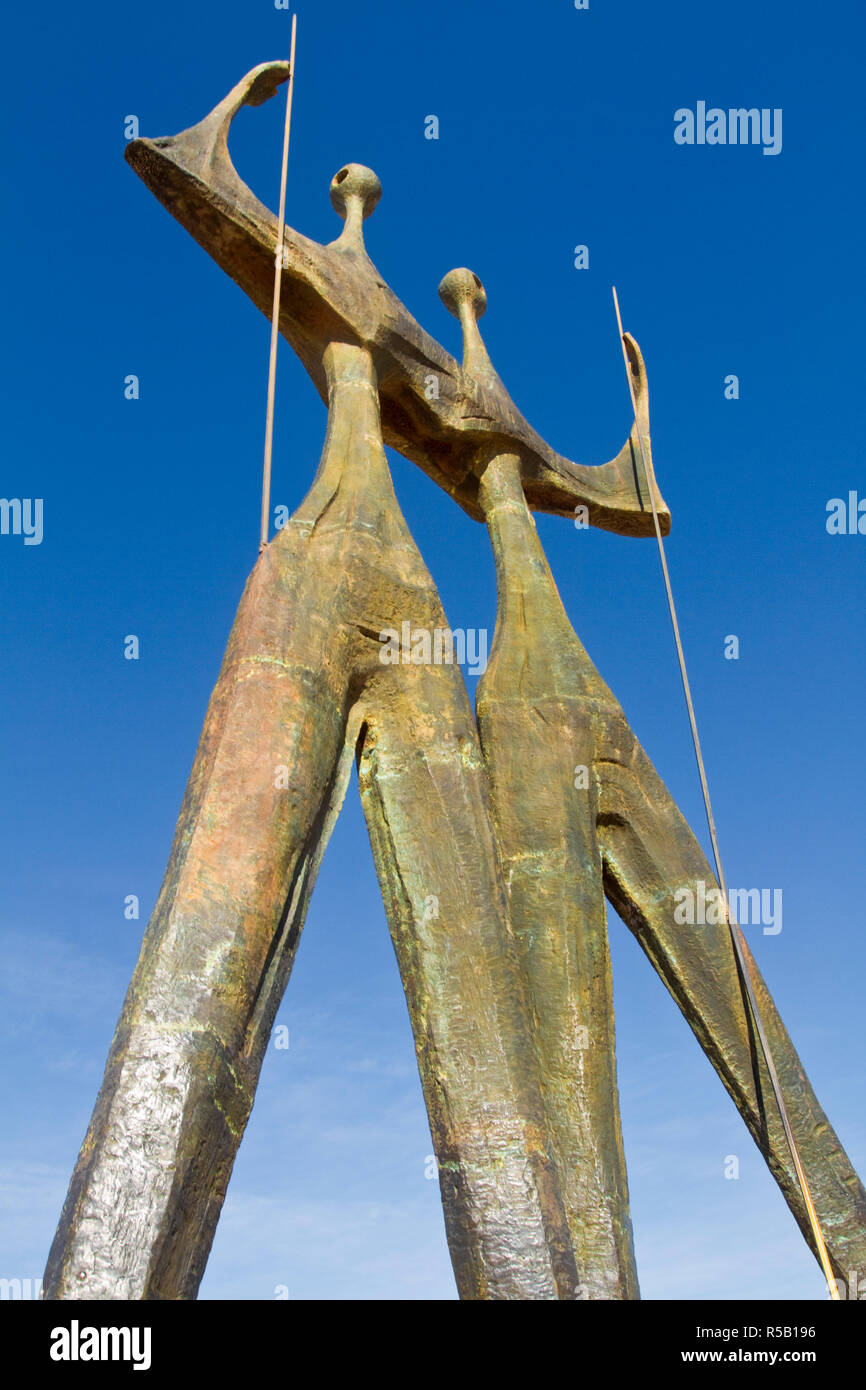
{"x": 546, "y": 718}
{"x": 537, "y": 735}
{"x": 649, "y": 854}
{"x": 543, "y": 711}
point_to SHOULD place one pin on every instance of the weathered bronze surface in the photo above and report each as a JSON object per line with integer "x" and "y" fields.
{"x": 301, "y": 690}
{"x": 335, "y": 294}
{"x": 546, "y": 718}
{"x": 541, "y": 700}
{"x": 537, "y": 735}
{"x": 494, "y": 843}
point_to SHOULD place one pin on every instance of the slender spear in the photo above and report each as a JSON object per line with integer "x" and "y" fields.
{"x": 736, "y": 934}
{"x": 275, "y": 314}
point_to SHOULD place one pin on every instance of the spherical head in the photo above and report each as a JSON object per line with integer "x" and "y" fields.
{"x": 355, "y": 181}
{"x": 462, "y": 286}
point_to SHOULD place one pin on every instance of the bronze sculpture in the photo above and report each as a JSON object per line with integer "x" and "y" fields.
{"x": 493, "y": 866}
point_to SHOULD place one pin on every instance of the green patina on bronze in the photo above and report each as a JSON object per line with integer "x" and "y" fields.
{"x": 494, "y": 852}
{"x": 544, "y": 713}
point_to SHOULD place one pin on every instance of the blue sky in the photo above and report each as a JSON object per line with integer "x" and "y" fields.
{"x": 556, "y": 129}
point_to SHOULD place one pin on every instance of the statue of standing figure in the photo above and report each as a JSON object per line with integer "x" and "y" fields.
{"x": 497, "y": 836}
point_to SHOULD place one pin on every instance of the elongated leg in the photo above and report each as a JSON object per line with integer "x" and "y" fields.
{"x": 424, "y": 791}
{"x": 537, "y": 736}
{"x": 650, "y": 854}
{"x": 267, "y": 782}
{"x": 182, "y": 1070}
{"x": 423, "y": 788}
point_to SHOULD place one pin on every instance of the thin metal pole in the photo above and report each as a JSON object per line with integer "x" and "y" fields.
{"x": 275, "y": 314}
{"x": 736, "y": 934}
